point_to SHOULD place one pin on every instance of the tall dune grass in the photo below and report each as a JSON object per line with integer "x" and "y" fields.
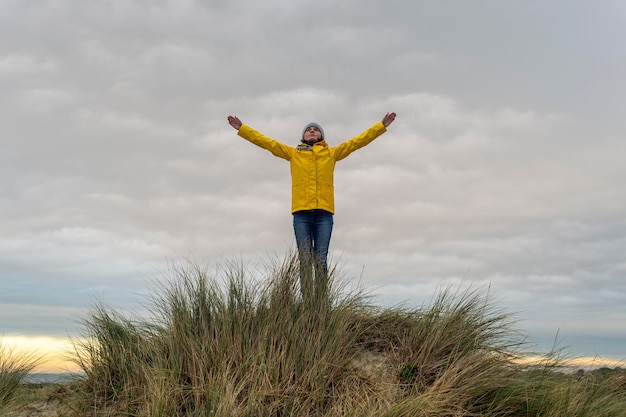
{"x": 14, "y": 368}
{"x": 229, "y": 345}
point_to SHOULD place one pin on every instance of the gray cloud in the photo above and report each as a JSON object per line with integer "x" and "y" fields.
{"x": 504, "y": 168}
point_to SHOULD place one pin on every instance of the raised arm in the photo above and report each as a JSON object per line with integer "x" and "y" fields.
{"x": 388, "y": 119}
{"x": 234, "y": 122}
{"x": 276, "y": 148}
{"x": 346, "y": 148}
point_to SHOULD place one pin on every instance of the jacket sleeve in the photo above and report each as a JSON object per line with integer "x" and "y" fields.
{"x": 346, "y": 148}
{"x": 276, "y": 148}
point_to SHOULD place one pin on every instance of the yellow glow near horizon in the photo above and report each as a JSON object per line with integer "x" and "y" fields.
{"x": 55, "y": 353}
{"x": 590, "y": 362}
{"x": 583, "y": 362}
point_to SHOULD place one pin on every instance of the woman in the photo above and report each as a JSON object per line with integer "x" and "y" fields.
{"x": 312, "y": 192}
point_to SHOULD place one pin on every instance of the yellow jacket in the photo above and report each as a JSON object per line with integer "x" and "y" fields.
{"x": 312, "y": 167}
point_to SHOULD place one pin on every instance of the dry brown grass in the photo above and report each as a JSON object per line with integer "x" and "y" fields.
{"x": 217, "y": 345}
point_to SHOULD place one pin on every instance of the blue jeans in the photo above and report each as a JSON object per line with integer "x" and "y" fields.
{"x": 313, "y": 229}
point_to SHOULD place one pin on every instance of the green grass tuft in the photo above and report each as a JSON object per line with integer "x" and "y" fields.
{"x": 230, "y": 344}
{"x": 14, "y": 368}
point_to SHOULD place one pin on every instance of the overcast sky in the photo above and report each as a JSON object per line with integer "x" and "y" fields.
{"x": 504, "y": 168}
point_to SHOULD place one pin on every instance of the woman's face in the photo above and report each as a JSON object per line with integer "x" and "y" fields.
{"x": 312, "y": 135}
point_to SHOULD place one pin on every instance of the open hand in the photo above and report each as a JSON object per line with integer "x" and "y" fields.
{"x": 389, "y": 117}
{"x": 234, "y": 122}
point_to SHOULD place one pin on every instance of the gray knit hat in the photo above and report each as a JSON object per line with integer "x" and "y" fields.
{"x": 315, "y": 125}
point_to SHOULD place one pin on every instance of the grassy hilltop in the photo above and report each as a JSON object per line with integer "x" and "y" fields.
{"x": 219, "y": 345}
